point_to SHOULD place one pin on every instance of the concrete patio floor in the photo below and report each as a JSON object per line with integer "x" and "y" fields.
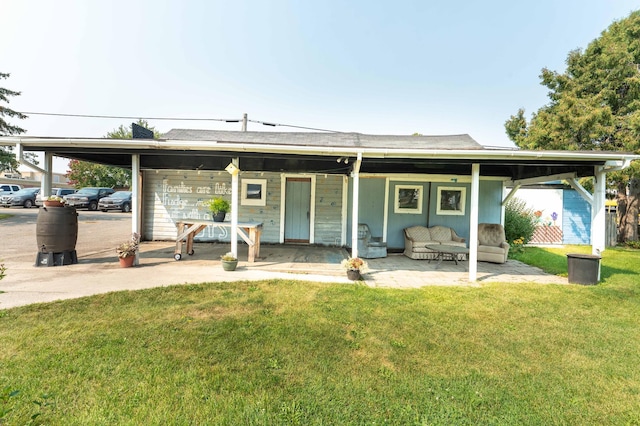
{"x": 99, "y": 272}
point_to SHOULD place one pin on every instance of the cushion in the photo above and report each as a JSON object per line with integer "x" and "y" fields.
{"x": 491, "y": 249}
{"x": 490, "y": 234}
{"x": 440, "y": 233}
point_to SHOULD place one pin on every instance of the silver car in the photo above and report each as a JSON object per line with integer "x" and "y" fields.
{"x": 25, "y": 197}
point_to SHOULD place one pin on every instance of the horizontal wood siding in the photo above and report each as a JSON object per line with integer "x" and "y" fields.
{"x": 328, "y": 207}
{"x": 170, "y": 196}
{"x": 576, "y": 218}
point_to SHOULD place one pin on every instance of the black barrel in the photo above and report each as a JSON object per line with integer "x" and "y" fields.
{"x": 57, "y": 229}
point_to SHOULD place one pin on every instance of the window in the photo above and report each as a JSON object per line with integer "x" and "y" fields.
{"x": 254, "y": 192}
{"x": 451, "y": 201}
{"x": 408, "y": 199}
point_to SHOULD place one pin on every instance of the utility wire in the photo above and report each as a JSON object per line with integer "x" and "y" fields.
{"x": 123, "y": 117}
{"x": 224, "y": 120}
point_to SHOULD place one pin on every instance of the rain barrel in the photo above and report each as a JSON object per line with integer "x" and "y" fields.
{"x": 57, "y": 229}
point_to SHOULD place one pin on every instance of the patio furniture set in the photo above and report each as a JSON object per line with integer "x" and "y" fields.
{"x": 439, "y": 243}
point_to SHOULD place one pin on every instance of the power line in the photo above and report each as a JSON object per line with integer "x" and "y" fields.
{"x": 124, "y": 117}
{"x": 224, "y": 120}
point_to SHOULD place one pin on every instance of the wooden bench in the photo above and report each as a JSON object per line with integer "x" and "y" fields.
{"x": 250, "y": 232}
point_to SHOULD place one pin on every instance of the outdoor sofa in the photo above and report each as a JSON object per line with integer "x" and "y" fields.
{"x": 416, "y": 238}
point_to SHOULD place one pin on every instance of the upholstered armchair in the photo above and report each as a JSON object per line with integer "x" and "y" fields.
{"x": 368, "y": 246}
{"x": 492, "y": 244}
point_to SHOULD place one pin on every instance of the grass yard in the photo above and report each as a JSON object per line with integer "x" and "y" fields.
{"x": 284, "y": 352}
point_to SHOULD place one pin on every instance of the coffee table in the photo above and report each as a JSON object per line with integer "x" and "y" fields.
{"x": 443, "y": 249}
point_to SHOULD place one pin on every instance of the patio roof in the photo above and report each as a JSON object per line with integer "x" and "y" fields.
{"x": 190, "y": 149}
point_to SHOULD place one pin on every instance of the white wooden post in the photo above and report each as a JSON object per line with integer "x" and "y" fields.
{"x": 136, "y": 199}
{"x": 354, "y": 210}
{"x": 234, "y": 206}
{"x": 598, "y": 217}
{"x": 473, "y": 223}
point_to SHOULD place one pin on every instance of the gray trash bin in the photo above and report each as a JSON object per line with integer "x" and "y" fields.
{"x": 583, "y": 268}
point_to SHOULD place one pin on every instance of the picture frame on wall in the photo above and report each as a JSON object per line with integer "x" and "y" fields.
{"x": 408, "y": 199}
{"x": 451, "y": 200}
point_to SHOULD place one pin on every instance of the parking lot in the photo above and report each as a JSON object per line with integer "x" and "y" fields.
{"x": 97, "y": 232}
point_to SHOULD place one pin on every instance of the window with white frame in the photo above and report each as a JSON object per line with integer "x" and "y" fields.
{"x": 408, "y": 199}
{"x": 254, "y": 192}
{"x": 451, "y": 200}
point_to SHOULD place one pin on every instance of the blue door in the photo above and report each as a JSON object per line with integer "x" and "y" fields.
{"x": 297, "y": 210}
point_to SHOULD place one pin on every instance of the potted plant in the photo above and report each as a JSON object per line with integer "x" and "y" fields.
{"x": 127, "y": 251}
{"x": 219, "y": 207}
{"x": 229, "y": 262}
{"x": 53, "y": 201}
{"x": 355, "y": 268}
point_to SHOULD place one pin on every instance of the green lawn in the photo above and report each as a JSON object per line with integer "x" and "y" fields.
{"x": 284, "y": 352}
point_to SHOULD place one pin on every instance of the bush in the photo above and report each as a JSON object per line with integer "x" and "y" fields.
{"x": 519, "y": 221}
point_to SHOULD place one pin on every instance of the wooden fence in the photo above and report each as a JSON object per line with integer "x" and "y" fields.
{"x": 611, "y": 230}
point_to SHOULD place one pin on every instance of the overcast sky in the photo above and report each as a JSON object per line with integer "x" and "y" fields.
{"x": 380, "y": 67}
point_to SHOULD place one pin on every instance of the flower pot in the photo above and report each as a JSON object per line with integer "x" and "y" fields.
{"x": 354, "y": 275}
{"x": 229, "y": 265}
{"x": 52, "y": 203}
{"x": 219, "y": 217}
{"x": 126, "y": 262}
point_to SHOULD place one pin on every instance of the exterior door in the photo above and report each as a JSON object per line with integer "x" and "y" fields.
{"x": 297, "y": 213}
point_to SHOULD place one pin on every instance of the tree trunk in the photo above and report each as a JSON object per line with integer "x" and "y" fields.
{"x": 628, "y": 209}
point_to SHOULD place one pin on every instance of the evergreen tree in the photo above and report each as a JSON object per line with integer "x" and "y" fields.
{"x": 7, "y": 158}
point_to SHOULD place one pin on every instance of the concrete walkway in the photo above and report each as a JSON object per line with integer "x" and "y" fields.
{"x": 99, "y": 272}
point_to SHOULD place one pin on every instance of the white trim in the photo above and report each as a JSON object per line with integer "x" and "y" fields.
{"x": 431, "y": 178}
{"x": 312, "y": 202}
{"x": 262, "y": 201}
{"x": 397, "y": 209}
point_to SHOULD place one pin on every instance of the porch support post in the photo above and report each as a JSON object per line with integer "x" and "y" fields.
{"x": 136, "y": 199}
{"x": 598, "y": 220}
{"x": 473, "y": 223}
{"x": 234, "y": 207}
{"x": 45, "y": 183}
{"x": 355, "y": 174}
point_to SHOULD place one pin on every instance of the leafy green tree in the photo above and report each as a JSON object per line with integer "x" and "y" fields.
{"x": 594, "y": 105}
{"x": 84, "y": 173}
{"x": 7, "y": 158}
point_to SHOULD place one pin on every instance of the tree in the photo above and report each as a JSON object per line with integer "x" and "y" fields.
{"x": 7, "y": 158}
{"x": 84, "y": 173}
{"x": 594, "y": 105}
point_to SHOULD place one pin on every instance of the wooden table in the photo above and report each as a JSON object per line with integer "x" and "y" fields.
{"x": 188, "y": 229}
{"x": 443, "y": 249}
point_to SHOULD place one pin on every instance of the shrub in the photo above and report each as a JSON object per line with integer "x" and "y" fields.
{"x": 519, "y": 221}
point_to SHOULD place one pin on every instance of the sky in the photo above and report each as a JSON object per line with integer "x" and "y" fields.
{"x": 376, "y": 67}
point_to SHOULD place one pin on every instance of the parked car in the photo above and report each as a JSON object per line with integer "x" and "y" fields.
{"x": 120, "y": 200}
{"x": 8, "y": 189}
{"x": 25, "y": 197}
{"x": 58, "y": 192}
{"x": 87, "y": 198}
